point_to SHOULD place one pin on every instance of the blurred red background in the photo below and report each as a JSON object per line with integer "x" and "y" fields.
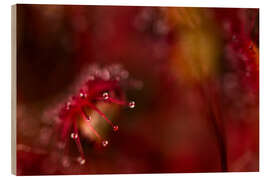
{"x": 198, "y": 109}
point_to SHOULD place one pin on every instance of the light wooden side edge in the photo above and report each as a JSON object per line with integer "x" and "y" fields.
{"x": 13, "y": 87}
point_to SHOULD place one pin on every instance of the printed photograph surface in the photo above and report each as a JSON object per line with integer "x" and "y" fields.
{"x": 133, "y": 89}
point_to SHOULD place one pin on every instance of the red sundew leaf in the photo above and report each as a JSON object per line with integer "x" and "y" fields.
{"x": 99, "y": 85}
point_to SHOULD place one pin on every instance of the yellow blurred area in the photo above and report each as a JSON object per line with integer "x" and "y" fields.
{"x": 97, "y": 122}
{"x": 195, "y": 55}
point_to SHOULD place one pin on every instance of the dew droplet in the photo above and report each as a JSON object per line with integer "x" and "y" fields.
{"x": 81, "y": 94}
{"x": 81, "y": 160}
{"x": 131, "y": 104}
{"x": 73, "y": 135}
{"x": 115, "y": 128}
{"x": 105, "y": 143}
{"x": 105, "y": 95}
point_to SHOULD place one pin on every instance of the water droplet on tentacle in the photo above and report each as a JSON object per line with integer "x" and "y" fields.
{"x": 105, "y": 95}
{"x": 83, "y": 95}
{"x": 81, "y": 160}
{"x": 73, "y": 135}
{"x": 105, "y": 143}
{"x": 131, "y": 104}
{"x": 115, "y": 128}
